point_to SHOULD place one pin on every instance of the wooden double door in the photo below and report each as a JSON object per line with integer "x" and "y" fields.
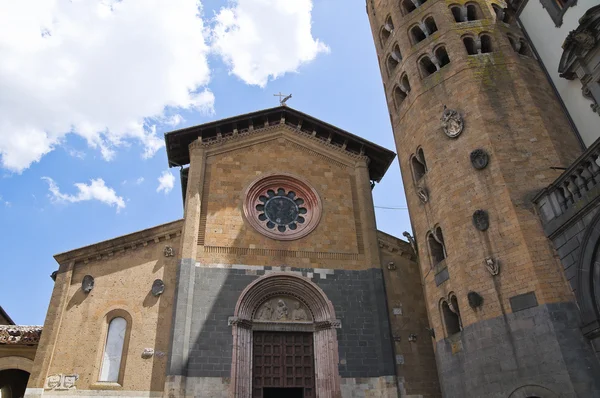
{"x": 283, "y": 360}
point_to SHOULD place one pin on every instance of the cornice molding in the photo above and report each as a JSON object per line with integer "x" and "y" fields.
{"x": 109, "y": 248}
{"x": 245, "y": 134}
{"x": 395, "y": 245}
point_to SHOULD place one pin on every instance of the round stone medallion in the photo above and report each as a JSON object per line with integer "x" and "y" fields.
{"x": 282, "y": 207}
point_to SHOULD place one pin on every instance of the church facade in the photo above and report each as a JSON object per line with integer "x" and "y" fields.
{"x": 275, "y": 283}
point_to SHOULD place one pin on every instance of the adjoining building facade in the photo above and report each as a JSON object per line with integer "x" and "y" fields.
{"x": 479, "y": 134}
{"x": 18, "y": 345}
{"x": 275, "y": 283}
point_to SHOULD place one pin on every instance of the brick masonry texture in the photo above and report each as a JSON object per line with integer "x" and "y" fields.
{"x": 358, "y": 297}
{"x": 538, "y": 346}
{"x": 510, "y": 110}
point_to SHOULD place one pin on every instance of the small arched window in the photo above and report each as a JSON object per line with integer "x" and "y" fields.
{"x": 456, "y": 13}
{"x": 437, "y": 249}
{"x": 405, "y": 84}
{"x": 501, "y": 14}
{"x": 399, "y": 96}
{"x": 524, "y": 48}
{"x": 430, "y": 25}
{"x": 418, "y": 165}
{"x": 384, "y": 36}
{"x": 417, "y": 34}
{"x": 442, "y": 56}
{"x": 427, "y": 67}
{"x": 391, "y": 64}
{"x": 513, "y": 43}
{"x": 113, "y": 350}
{"x": 407, "y": 7}
{"x": 473, "y": 12}
{"x": 451, "y": 316}
{"x": 486, "y": 44}
{"x": 470, "y": 45}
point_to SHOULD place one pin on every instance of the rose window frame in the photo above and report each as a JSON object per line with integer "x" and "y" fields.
{"x": 296, "y": 195}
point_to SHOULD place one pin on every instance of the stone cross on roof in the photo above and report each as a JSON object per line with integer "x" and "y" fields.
{"x": 284, "y": 100}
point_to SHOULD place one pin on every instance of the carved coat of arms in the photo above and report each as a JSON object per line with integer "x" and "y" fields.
{"x": 452, "y": 122}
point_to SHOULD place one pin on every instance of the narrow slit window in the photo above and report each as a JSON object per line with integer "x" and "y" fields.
{"x": 470, "y": 45}
{"x": 513, "y": 43}
{"x": 442, "y": 55}
{"x": 113, "y": 350}
{"x": 486, "y": 44}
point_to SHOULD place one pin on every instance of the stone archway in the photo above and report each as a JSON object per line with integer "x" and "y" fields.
{"x": 14, "y": 374}
{"x": 532, "y": 391}
{"x": 320, "y": 321}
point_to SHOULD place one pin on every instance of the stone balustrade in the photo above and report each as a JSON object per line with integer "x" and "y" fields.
{"x": 576, "y": 189}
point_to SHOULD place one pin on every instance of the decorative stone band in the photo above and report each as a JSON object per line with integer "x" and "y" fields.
{"x": 239, "y": 135}
{"x": 284, "y": 326}
{"x": 18, "y": 334}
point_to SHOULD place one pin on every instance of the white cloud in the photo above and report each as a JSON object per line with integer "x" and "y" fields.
{"x": 6, "y": 202}
{"x": 166, "y": 182}
{"x": 264, "y": 39}
{"x": 96, "y": 190}
{"x": 107, "y": 71}
{"x": 139, "y": 181}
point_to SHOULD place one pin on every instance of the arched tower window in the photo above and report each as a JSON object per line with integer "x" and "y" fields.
{"x": 427, "y": 67}
{"x": 501, "y": 14}
{"x": 399, "y": 96}
{"x": 404, "y": 83}
{"x": 451, "y": 316}
{"x": 524, "y": 48}
{"x": 407, "y": 7}
{"x": 394, "y": 59}
{"x": 470, "y": 45}
{"x": 437, "y": 249}
{"x": 418, "y": 165}
{"x": 430, "y": 25}
{"x": 442, "y": 56}
{"x": 456, "y": 13}
{"x": 513, "y": 43}
{"x": 391, "y": 63}
{"x": 384, "y": 36}
{"x": 473, "y": 12}
{"x": 486, "y": 44}
{"x": 417, "y": 34}
{"x": 113, "y": 350}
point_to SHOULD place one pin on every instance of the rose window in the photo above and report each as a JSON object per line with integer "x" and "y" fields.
{"x": 282, "y": 207}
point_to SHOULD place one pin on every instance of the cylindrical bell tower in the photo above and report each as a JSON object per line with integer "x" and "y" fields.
{"x": 479, "y": 132}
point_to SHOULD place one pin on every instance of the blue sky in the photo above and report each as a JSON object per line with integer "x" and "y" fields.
{"x": 89, "y": 102}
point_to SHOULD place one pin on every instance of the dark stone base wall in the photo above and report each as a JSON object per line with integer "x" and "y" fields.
{"x": 541, "y": 346}
{"x": 358, "y": 297}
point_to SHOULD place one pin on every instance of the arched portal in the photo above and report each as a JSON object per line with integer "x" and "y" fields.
{"x": 13, "y": 383}
{"x": 294, "y": 307}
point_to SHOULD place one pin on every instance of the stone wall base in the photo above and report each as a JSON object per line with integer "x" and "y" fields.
{"x": 39, "y": 392}
{"x": 218, "y": 387}
{"x": 370, "y": 387}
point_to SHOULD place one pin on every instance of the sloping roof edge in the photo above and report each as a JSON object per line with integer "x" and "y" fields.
{"x": 178, "y": 141}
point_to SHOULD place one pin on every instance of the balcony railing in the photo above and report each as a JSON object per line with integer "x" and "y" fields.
{"x": 574, "y": 190}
